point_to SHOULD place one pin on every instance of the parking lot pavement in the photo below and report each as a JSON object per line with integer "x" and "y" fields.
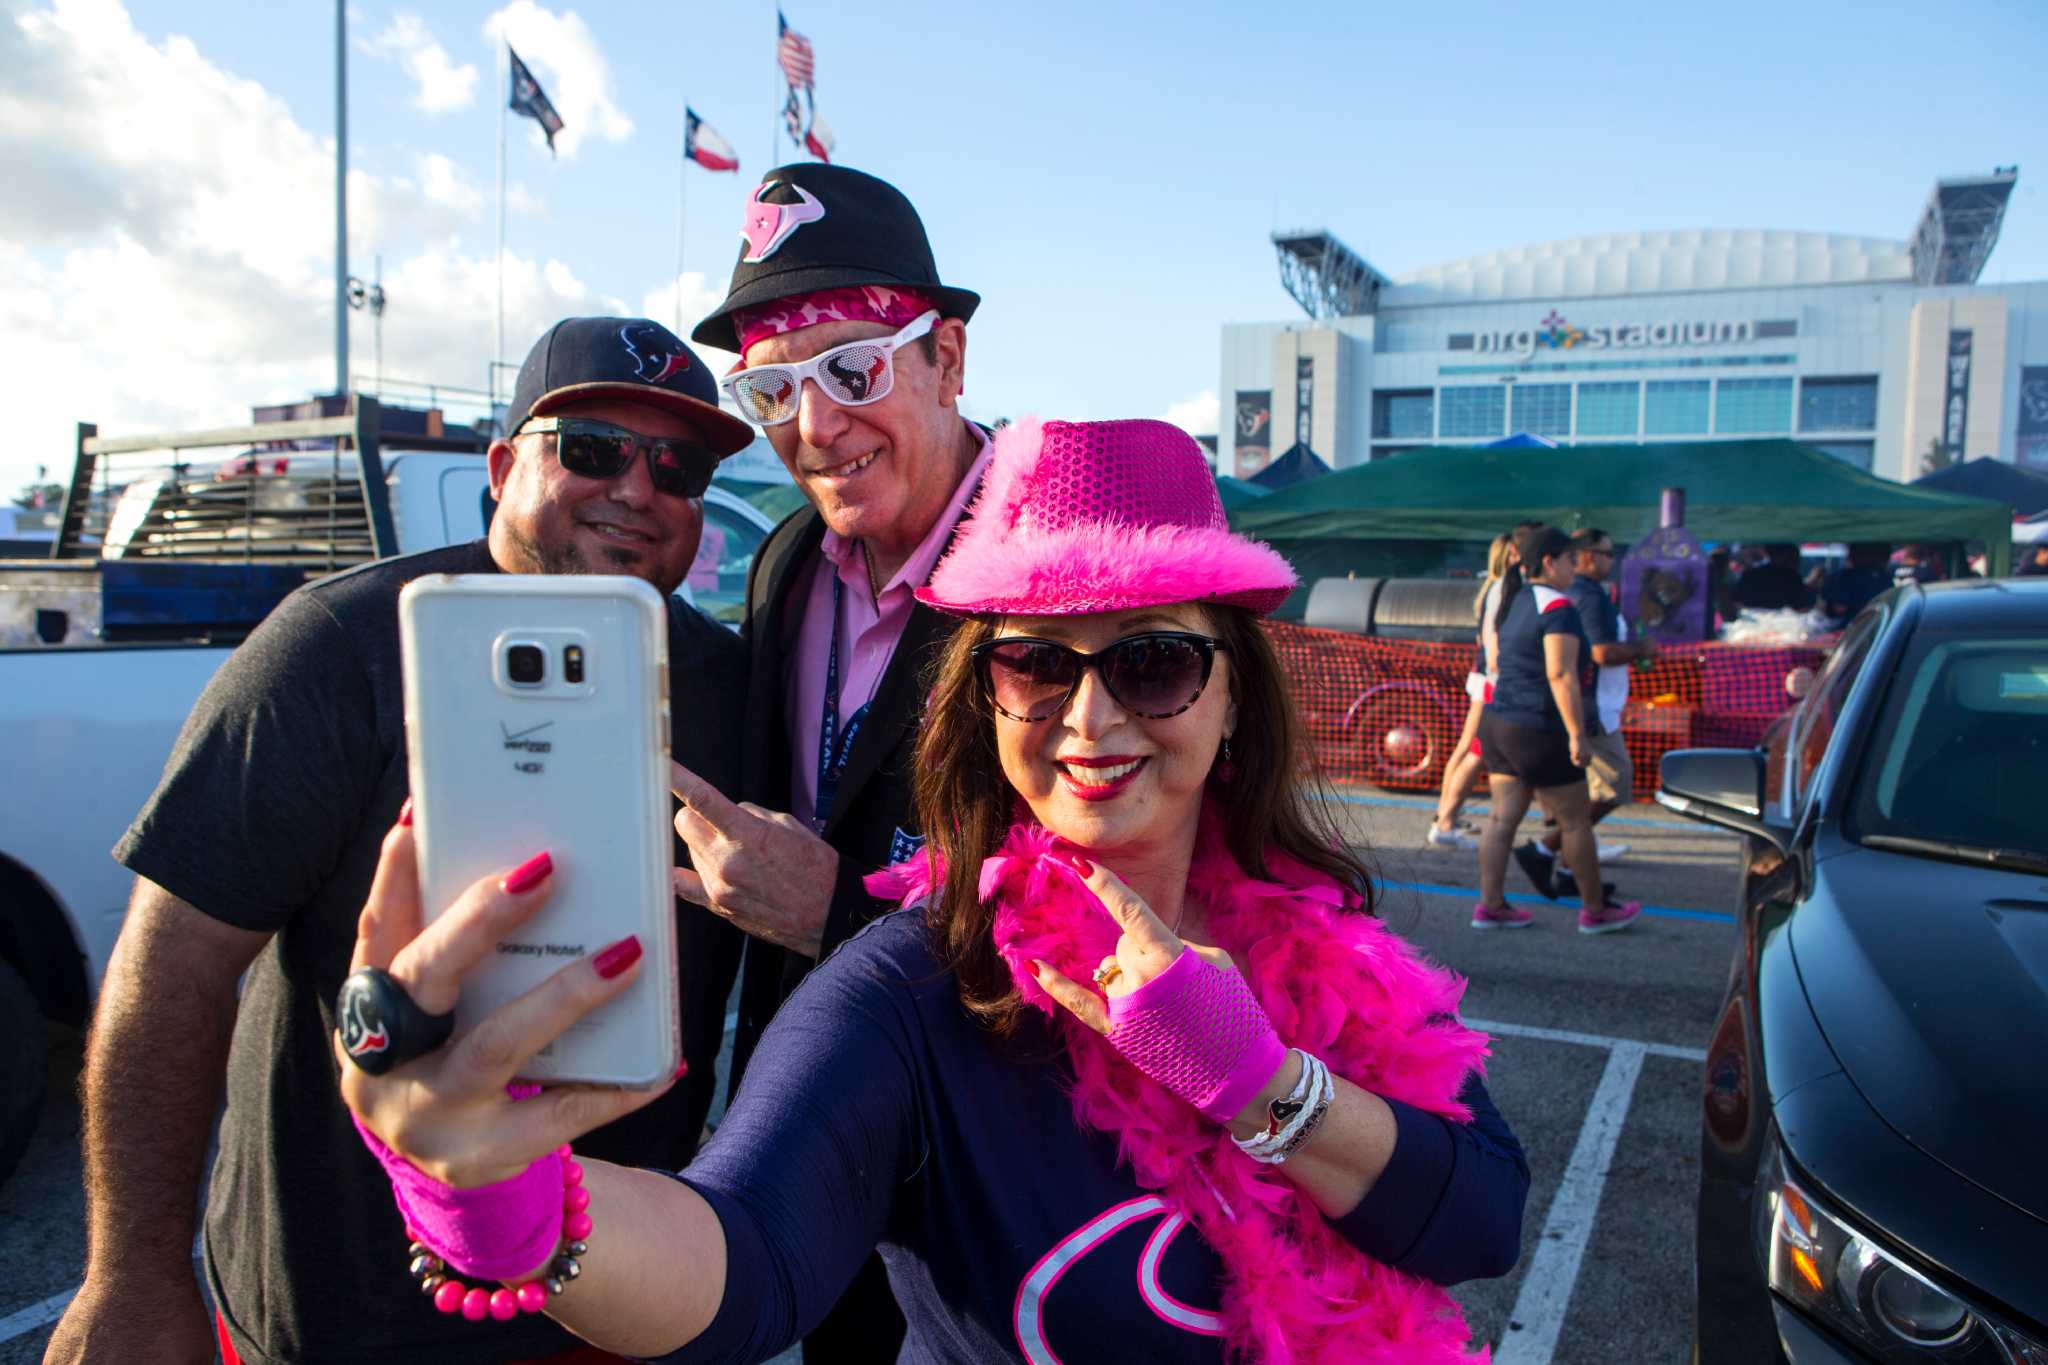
{"x": 1595, "y": 1063}
{"x": 1606, "y": 1272}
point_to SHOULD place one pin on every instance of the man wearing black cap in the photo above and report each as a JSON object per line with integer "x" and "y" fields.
{"x": 256, "y": 852}
{"x": 853, "y": 358}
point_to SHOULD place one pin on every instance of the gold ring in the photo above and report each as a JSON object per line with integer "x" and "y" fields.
{"x": 1107, "y": 972}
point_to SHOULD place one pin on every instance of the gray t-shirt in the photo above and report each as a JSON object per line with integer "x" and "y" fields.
{"x": 269, "y": 817}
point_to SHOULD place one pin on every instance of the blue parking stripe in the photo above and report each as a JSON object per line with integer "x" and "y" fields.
{"x": 1424, "y": 803}
{"x": 1562, "y": 902}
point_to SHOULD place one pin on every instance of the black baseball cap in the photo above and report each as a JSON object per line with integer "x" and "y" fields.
{"x": 630, "y": 358}
{"x": 848, "y": 228}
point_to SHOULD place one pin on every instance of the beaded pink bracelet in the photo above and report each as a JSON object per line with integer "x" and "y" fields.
{"x": 451, "y": 1295}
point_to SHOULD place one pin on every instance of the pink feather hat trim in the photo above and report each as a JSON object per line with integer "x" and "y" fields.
{"x": 1080, "y": 517}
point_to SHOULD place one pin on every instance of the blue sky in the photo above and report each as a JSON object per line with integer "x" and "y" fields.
{"x": 1106, "y": 176}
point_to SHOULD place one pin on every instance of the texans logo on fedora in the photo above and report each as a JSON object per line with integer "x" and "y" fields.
{"x": 768, "y": 226}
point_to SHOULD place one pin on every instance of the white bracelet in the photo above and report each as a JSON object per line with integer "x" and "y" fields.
{"x": 1313, "y": 1092}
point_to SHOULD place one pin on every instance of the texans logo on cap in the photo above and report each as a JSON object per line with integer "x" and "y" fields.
{"x": 659, "y": 360}
{"x": 768, "y": 226}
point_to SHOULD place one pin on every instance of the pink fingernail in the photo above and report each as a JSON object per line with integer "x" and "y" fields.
{"x": 618, "y": 957}
{"x": 529, "y": 874}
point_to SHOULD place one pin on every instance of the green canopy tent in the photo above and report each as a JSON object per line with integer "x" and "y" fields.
{"x": 1237, "y": 492}
{"x": 1393, "y": 515}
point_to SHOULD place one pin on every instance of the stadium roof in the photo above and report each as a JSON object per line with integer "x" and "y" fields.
{"x": 1619, "y": 263}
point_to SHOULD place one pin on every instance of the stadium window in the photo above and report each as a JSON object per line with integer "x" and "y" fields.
{"x": 1838, "y": 404}
{"x": 1857, "y": 453}
{"x": 1467, "y": 410}
{"x": 1543, "y": 409}
{"x": 1608, "y": 409}
{"x": 1676, "y": 407}
{"x": 1753, "y": 405}
{"x": 1403, "y": 415}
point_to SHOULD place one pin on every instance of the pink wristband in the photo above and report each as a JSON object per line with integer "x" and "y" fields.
{"x": 1199, "y": 1031}
{"x": 493, "y": 1232}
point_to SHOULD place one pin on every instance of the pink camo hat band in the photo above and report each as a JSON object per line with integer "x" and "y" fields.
{"x": 855, "y": 303}
{"x": 1080, "y": 517}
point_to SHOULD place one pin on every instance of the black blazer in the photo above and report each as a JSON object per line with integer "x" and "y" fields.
{"x": 871, "y": 816}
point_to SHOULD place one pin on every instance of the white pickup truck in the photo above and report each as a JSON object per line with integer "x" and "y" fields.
{"x": 102, "y": 655}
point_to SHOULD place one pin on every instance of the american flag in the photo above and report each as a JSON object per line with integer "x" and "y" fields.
{"x": 793, "y": 51}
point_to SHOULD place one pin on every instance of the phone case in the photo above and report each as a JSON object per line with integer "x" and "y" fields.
{"x": 576, "y": 763}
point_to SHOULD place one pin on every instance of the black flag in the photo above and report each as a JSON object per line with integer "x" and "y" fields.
{"x": 529, "y": 99}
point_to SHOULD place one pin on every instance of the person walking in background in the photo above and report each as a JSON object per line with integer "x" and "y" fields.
{"x": 1850, "y": 588}
{"x": 1535, "y": 734}
{"x": 1462, "y": 773}
{"x": 1610, "y": 775}
{"x": 1774, "y": 584}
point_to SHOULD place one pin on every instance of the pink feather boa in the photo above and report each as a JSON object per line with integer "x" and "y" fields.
{"x": 1336, "y": 983}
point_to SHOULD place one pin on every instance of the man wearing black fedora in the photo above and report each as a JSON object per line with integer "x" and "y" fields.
{"x": 853, "y": 358}
{"x": 256, "y": 854}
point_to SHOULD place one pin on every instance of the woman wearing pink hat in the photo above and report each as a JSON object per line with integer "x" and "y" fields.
{"x": 1136, "y": 1076}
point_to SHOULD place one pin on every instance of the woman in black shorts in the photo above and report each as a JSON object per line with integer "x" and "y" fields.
{"x": 1533, "y": 734}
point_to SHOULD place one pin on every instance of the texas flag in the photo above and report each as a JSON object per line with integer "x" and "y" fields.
{"x": 818, "y": 139}
{"x": 703, "y": 145}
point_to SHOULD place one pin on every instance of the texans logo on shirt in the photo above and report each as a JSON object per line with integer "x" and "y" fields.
{"x": 1030, "y": 1318}
{"x": 654, "y": 358}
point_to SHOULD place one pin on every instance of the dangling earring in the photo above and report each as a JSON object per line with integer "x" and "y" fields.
{"x": 1225, "y": 769}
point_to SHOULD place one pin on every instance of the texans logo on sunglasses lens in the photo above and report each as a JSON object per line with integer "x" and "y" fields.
{"x": 599, "y": 450}
{"x": 1154, "y": 675}
{"x": 853, "y": 375}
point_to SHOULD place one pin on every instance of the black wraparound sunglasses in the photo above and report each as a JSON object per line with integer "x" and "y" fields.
{"x": 680, "y": 467}
{"x": 1155, "y": 675}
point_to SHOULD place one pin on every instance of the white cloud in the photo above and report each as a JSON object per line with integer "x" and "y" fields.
{"x": 166, "y": 237}
{"x": 1197, "y": 416}
{"x": 440, "y": 85}
{"x": 700, "y": 297}
{"x": 564, "y": 56}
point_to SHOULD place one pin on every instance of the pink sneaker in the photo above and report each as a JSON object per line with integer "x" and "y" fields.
{"x": 1610, "y": 917}
{"x": 1501, "y": 917}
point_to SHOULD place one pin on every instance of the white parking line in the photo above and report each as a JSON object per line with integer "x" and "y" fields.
{"x": 1554, "y": 1268}
{"x": 1599, "y": 1040}
{"x": 36, "y": 1315}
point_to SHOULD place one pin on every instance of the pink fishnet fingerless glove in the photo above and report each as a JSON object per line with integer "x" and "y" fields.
{"x": 493, "y": 1232}
{"x": 1199, "y": 1031}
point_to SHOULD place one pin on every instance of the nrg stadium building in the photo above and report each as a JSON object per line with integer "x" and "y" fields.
{"x": 1870, "y": 349}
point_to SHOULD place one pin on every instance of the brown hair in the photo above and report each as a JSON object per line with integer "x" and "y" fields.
{"x": 965, "y": 805}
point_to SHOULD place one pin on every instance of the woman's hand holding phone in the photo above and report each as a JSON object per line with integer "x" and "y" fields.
{"x": 449, "y": 1112}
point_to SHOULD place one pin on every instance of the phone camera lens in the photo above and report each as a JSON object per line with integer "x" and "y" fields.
{"x": 526, "y": 665}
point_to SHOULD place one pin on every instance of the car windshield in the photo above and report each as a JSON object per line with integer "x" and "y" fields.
{"x": 1959, "y": 754}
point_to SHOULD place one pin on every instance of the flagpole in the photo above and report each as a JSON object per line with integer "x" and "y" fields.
{"x": 682, "y": 190}
{"x": 504, "y": 99}
{"x": 340, "y": 196}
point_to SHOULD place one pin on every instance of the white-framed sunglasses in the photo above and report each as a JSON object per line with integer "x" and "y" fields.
{"x": 853, "y": 375}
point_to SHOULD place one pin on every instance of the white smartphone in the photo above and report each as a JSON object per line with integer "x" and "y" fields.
{"x": 536, "y": 717}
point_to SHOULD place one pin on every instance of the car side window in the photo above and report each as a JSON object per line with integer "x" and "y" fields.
{"x": 1816, "y": 724}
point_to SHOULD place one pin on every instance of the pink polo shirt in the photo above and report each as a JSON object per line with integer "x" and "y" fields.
{"x": 869, "y": 631}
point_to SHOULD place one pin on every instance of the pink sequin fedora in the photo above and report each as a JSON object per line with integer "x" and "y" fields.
{"x": 1077, "y": 517}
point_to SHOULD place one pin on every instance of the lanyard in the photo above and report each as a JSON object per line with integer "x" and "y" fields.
{"x": 833, "y": 747}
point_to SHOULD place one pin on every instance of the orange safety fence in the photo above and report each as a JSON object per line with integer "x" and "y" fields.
{"x": 1387, "y": 712}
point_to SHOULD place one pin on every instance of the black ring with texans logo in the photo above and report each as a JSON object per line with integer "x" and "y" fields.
{"x": 381, "y": 1026}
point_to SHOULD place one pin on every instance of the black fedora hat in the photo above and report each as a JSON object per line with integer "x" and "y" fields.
{"x": 811, "y": 226}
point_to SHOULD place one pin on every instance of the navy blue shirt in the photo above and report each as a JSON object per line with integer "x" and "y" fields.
{"x": 1600, "y": 623}
{"x": 878, "y": 1114}
{"x": 1522, "y": 693}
